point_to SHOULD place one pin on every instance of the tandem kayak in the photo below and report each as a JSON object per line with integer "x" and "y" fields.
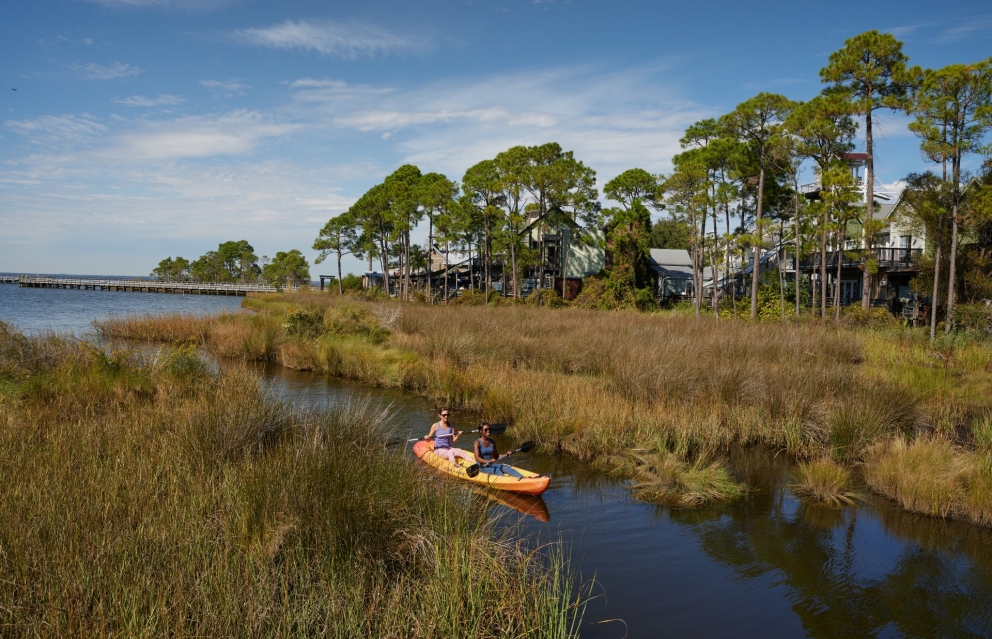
{"x": 530, "y": 484}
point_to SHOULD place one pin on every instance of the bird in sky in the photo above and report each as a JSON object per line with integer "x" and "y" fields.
{"x": 13, "y": 89}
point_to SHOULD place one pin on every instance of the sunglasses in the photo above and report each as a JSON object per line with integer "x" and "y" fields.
{"x": 444, "y": 414}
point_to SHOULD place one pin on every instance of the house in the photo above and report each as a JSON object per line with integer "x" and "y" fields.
{"x": 585, "y": 254}
{"x": 895, "y": 251}
{"x": 673, "y": 273}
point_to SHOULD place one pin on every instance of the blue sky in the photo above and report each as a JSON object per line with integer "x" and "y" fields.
{"x": 142, "y": 129}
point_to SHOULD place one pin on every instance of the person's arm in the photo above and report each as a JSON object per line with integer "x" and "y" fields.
{"x": 456, "y": 436}
{"x": 431, "y": 434}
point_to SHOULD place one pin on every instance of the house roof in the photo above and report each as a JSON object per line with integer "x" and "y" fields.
{"x": 672, "y": 272}
{"x": 672, "y": 263}
{"x": 671, "y": 257}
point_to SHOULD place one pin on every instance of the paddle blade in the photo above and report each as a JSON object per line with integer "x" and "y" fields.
{"x": 394, "y": 441}
{"x": 472, "y": 470}
{"x": 526, "y": 447}
{"x": 497, "y": 429}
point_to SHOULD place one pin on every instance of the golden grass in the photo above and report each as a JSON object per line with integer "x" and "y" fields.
{"x": 929, "y": 476}
{"x": 142, "y": 494}
{"x": 825, "y": 481}
{"x": 601, "y": 385}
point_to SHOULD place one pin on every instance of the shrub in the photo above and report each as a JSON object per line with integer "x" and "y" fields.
{"x": 856, "y": 316}
{"x": 546, "y": 297}
{"x": 974, "y": 317}
{"x": 305, "y": 322}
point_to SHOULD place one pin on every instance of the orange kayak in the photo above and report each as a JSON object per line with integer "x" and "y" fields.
{"x": 531, "y": 484}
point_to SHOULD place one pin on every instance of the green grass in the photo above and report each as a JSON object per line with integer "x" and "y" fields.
{"x": 144, "y": 494}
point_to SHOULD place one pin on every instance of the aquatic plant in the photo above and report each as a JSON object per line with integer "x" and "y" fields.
{"x": 824, "y": 480}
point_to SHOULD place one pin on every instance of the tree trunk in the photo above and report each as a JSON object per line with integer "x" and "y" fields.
{"x": 798, "y": 247}
{"x": 733, "y": 280}
{"x": 823, "y": 265}
{"x": 384, "y": 259}
{"x": 781, "y": 279}
{"x": 713, "y": 263}
{"x": 757, "y": 245}
{"x": 406, "y": 264}
{"x": 696, "y": 279}
{"x": 952, "y": 268}
{"x": 935, "y": 300}
{"x": 513, "y": 265}
{"x": 447, "y": 267}
{"x": 340, "y": 285}
{"x": 869, "y": 211}
{"x": 488, "y": 258}
{"x": 430, "y": 256}
{"x": 840, "y": 263}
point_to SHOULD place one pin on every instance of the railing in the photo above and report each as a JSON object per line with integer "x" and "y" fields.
{"x": 886, "y": 257}
{"x": 33, "y": 281}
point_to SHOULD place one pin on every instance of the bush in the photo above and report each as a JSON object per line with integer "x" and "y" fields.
{"x": 854, "y": 315}
{"x": 546, "y": 297}
{"x": 974, "y": 317}
{"x": 305, "y": 322}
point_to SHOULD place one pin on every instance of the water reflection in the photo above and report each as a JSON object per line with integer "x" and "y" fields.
{"x": 769, "y": 565}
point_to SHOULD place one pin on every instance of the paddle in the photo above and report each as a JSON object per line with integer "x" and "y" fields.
{"x": 494, "y": 429}
{"x": 526, "y": 447}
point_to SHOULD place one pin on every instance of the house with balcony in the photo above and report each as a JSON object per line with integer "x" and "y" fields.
{"x": 895, "y": 250}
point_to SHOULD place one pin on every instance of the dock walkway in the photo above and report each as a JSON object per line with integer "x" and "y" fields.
{"x": 140, "y": 286}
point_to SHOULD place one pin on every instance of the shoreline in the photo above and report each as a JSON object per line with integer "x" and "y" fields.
{"x": 870, "y": 403}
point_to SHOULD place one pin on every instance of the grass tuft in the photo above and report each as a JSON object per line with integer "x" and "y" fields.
{"x": 823, "y": 480}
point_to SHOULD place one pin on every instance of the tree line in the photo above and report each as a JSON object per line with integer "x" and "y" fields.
{"x": 744, "y": 166}
{"x": 236, "y": 261}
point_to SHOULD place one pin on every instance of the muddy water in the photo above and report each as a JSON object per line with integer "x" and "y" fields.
{"x": 767, "y": 566}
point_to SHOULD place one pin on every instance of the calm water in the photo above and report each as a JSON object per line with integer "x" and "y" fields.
{"x": 34, "y": 310}
{"x": 767, "y": 566}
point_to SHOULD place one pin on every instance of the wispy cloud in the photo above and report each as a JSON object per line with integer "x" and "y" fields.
{"x": 965, "y": 29}
{"x": 343, "y": 40}
{"x": 186, "y": 6}
{"x": 57, "y": 128}
{"x": 112, "y": 71}
{"x": 163, "y": 99}
{"x": 226, "y": 87}
{"x": 612, "y": 119}
{"x": 233, "y": 133}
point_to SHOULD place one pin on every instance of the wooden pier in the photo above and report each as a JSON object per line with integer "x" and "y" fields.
{"x": 140, "y": 286}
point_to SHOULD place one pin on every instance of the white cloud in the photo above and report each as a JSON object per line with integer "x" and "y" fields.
{"x": 142, "y": 101}
{"x": 58, "y": 128}
{"x": 112, "y": 71}
{"x": 234, "y": 133}
{"x": 230, "y": 87}
{"x": 189, "y": 6}
{"x": 612, "y": 119}
{"x": 343, "y": 40}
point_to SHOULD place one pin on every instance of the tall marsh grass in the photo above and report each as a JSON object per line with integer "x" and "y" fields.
{"x": 602, "y": 385}
{"x": 143, "y": 494}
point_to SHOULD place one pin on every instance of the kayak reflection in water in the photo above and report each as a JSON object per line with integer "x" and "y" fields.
{"x": 486, "y": 455}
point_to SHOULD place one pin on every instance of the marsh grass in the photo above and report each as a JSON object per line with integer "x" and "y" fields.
{"x": 144, "y": 494}
{"x": 823, "y": 480}
{"x": 601, "y": 385}
{"x": 930, "y": 476}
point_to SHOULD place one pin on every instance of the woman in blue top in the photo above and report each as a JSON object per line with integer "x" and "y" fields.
{"x": 444, "y": 435}
{"x": 487, "y": 455}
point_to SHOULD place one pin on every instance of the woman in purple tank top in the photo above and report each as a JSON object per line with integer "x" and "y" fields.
{"x": 444, "y": 435}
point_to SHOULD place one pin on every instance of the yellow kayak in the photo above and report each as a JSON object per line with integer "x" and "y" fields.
{"x": 531, "y": 484}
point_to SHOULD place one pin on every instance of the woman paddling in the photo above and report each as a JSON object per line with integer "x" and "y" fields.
{"x": 487, "y": 455}
{"x": 444, "y": 435}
